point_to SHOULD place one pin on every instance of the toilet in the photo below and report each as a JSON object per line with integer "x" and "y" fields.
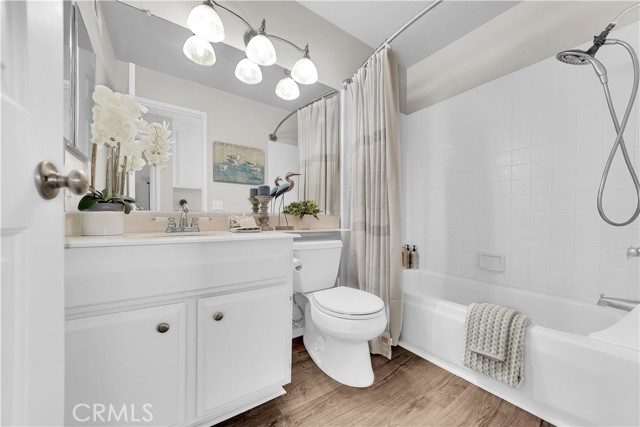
{"x": 339, "y": 321}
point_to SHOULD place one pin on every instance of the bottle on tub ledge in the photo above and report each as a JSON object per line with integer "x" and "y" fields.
{"x": 414, "y": 259}
{"x": 405, "y": 256}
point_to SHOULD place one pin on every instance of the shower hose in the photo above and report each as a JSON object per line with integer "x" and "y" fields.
{"x": 619, "y": 141}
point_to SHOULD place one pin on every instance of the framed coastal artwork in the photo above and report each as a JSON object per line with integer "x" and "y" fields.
{"x": 237, "y": 164}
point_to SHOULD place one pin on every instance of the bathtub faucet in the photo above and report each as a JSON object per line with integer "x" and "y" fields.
{"x": 619, "y": 303}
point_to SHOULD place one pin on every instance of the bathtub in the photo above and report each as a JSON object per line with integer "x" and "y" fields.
{"x": 569, "y": 378}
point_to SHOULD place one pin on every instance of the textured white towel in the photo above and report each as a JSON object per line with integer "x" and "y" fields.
{"x": 489, "y": 331}
{"x": 486, "y": 357}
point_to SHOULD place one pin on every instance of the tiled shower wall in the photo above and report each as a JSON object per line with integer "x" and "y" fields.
{"x": 513, "y": 166}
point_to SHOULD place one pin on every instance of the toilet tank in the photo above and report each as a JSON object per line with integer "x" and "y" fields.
{"x": 320, "y": 263}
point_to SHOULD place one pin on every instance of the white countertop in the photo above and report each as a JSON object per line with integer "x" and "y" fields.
{"x": 161, "y": 238}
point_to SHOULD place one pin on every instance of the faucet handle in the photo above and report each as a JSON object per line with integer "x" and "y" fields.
{"x": 194, "y": 224}
{"x": 171, "y": 225}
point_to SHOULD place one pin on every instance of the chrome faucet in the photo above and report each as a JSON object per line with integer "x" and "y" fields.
{"x": 183, "y": 225}
{"x": 184, "y": 210}
{"x": 619, "y": 303}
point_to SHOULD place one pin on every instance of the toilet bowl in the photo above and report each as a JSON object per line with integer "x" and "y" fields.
{"x": 339, "y": 321}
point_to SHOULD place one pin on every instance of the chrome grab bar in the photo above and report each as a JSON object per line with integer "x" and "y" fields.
{"x": 619, "y": 303}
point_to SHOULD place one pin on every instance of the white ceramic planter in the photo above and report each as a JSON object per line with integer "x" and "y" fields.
{"x": 305, "y": 222}
{"x": 103, "y": 219}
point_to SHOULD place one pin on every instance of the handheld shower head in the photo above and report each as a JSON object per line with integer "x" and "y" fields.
{"x": 580, "y": 57}
{"x": 573, "y": 57}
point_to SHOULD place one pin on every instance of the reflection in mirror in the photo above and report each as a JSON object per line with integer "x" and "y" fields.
{"x": 147, "y": 62}
{"x": 162, "y": 189}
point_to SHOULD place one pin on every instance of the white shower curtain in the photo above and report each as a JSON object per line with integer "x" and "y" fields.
{"x": 371, "y": 134}
{"x": 318, "y": 142}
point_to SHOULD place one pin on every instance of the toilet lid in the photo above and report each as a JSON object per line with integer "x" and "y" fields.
{"x": 346, "y": 300}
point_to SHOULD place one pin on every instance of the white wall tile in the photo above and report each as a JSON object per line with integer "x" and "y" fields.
{"x": 513, "y": 166}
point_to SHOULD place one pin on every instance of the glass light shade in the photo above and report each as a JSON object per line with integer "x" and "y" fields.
{"x": 203, "y": 21}
{"x": 261, "y": 51}
{"x": 199, "y": 51}
{"x": 304, "y": 71}
{"x": 248, "y": 72}
{"x": 287, "y": 89}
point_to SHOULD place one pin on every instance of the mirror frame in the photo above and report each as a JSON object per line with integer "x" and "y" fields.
{"x": 71, "y": 144}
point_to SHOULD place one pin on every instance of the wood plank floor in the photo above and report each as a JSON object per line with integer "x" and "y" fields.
{"x": 408, "y": 391}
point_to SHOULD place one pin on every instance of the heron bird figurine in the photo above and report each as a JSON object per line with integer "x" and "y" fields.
{"x": 274, "y": 190}
{"x": 283, "y": 188}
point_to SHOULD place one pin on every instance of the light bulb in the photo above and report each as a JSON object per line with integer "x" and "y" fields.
{"x": 248, "y": 72}
{"x": 261, "y": 51}
{"x": 304, "y": 71}
{"x": 203, "y": 21}
{"x": 287, "y": 89}
{"x": 199, "y": 51}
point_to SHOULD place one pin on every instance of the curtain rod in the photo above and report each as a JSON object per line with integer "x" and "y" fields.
{"x": 274, "y": 137}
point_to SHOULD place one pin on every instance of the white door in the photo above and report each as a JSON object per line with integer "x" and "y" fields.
{"x": 32, "y": 229}
{"x": 132, "y": 362}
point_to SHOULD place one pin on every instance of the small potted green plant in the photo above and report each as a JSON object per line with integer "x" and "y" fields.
{"x": 303, "y": 210}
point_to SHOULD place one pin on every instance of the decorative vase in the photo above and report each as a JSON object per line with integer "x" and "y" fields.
{"x": 103, "y": 219}
{"x": 305, "y": 222}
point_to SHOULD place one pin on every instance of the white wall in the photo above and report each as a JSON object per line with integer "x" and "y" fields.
{"x": 230, "y": 118}
{"x": 513, "y": 167}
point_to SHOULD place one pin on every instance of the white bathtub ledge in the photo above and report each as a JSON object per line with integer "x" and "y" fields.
{"x": 625, "y": 333}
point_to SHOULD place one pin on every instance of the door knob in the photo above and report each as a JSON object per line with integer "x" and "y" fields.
{"x": 49, "y": 181}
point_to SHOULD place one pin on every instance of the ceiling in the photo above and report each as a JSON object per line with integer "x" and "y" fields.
{"x": 442, "y": 25}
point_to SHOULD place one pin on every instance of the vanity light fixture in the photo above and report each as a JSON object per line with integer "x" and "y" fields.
{"x": 260, "y": 49}
{"x": 207, "y": 27}
{"x": 304, "y": 70}
{"x": 205, "y": 22}
{"x": 287, "y": 89}
{"x": 199, "y": 51}
{"x": 248, "y": 72}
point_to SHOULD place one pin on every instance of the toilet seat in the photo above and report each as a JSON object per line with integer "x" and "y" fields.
{"x": 347, "y": 303}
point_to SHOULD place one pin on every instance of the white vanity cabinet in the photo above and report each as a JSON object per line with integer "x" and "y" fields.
{"x": 241, "y": 348}
{"x": 133, "y": 360}
{"x": 196, "y": 328}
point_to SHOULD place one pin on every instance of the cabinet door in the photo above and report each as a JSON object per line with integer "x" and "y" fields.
{"x": 121, "y": 369}
{"x": 247, "y": 349}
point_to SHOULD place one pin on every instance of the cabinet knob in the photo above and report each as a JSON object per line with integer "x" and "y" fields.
{"x": 218, "y": 315}
{"x": 163, "y": 327}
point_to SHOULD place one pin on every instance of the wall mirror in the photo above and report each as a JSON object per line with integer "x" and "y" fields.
{"x": 141, "y": 54}
{"x": 79, "y": 81}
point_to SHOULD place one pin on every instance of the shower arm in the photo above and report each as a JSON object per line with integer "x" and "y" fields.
{"x": 619, "y": 141}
